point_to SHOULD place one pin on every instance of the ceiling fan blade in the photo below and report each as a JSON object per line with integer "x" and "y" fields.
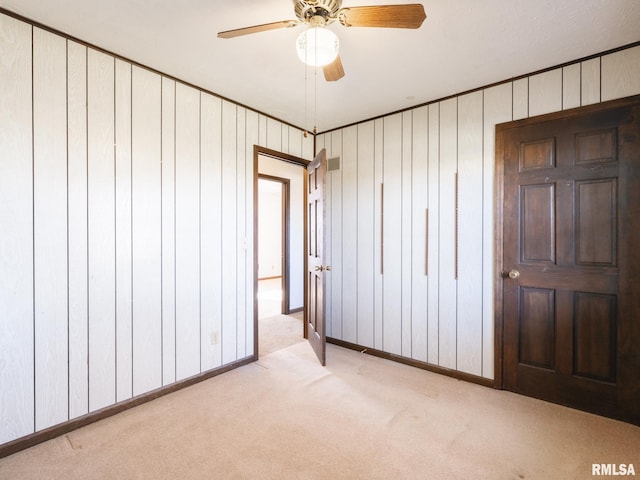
{"x": 387, "y": 16}
{"x": 334, "y": 70}
{"x": 258, "y": 28}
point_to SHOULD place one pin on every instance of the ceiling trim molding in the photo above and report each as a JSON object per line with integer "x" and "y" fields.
{"x": 484, "y": 87}
{"x": 33, "y": 23}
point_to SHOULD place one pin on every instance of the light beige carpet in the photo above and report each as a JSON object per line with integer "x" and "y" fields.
{"x": 278, "y": 332}
{"x": 361, "y": 417}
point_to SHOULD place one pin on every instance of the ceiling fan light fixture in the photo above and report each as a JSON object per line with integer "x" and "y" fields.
{"x": 317, "y": 46}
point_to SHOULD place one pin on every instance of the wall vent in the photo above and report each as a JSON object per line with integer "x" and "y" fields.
{"x": 333, "y": 164}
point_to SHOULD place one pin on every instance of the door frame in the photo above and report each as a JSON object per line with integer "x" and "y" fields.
{"x": 285, "y": 157}
{"x": 498, "y": 270}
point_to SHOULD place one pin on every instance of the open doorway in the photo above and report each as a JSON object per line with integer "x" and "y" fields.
{"x": 273, "y": 245}
{"x": 280, "y": 250}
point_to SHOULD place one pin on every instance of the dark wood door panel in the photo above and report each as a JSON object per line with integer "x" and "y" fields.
{"x": 315, "y": 319}
{"x": 597, "y": 146}
{"x": 537, "y": 155}
{"x": 596, "y": 221}
{"x": 568, "y": 318}
{"x": 537, "y": 327}
{"x": 595, "y": 336}
{"x": 538, "y": 223}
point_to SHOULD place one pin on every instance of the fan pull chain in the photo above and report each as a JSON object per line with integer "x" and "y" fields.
{"x": 315, "y": 99}
{"x": 306, "y": 97}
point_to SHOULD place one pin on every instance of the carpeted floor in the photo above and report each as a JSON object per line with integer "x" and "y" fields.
{"x": 361, "y": 417}
{"x": 279, "y": 331}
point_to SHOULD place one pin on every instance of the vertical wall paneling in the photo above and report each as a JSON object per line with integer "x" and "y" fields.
{"x": 295, "y": 141}
{"x": 274, "y": 134}
{"x": 307, "y": 147}
{"x": 454, "y": 138}
{"x": 229, "y": 231}
{"x": 365, "y": 251}
{"x": 406, "y": 232}
{"x": 211, "y": 232}
{"x": 378, "y": 279}
{"x": 124, "y": 267}
{"x": 590, "y": 71}
{"x": 328, "y": 243}
{"x": 621, "y": 74}
{"x": 284, "y": 141}
{"x": 420, "y": 202}
{"x": 251, "y": 139}
{"x": 350, "y": 237}
{"x": 545, "y": 92}
{"x": 262, "y": 130}
{"x": 335, "y": 238}
{"x": 168, "y": 232}
{"x": 77, "y": 227}
{"x": 16, "y": 243}
{"x": 187, "y": 204}
{"x": 129, "y": 196}
{"x": 101, "y": 227}
{"x": 241, "y": 232}
{"x": 520, "y": 98}
{"x": 571, "y": 86}
{"x": 392, "y": 234}
{"x": 433, "y": 188}
{"x": 448, "y": 250}
{"x": 324, "y": 141}
{"x": 147, "y": 230}
{"x": 497, "y": 109}
{"x": 50, "y": 228}
{"x": 470, "y": 233}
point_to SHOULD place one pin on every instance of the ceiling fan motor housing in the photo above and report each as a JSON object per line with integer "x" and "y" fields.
{"x": 307, "y": 9}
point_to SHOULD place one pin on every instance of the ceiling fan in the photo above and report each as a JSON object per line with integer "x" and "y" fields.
{"x": 317, "y": 45}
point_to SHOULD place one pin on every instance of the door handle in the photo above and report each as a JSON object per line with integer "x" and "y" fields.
{"x": 513, "y": 274}
{"x": 319, "y": 268}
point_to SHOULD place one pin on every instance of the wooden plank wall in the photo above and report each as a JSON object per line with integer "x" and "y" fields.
{"x": 126, "y": 239}
{"x": 423, "y": 159}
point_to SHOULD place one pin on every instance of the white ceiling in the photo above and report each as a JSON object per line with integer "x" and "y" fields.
{"x": 463, "y": 44}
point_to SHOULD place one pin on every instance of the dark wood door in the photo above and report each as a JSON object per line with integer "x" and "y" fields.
{"x": 571, "y": 267}
{"x": 316, "y": 268}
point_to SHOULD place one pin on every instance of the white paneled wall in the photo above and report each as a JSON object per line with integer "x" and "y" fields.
{"x": 395, "y": 168}
{"x": 17, "y": 401}
{"x": 50, "y": 230}
{"x": 78, "y": 228}
{"x": 126, "y": 228}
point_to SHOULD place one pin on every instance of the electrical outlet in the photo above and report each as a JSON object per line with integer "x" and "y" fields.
{"x": 215, "y": 338}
